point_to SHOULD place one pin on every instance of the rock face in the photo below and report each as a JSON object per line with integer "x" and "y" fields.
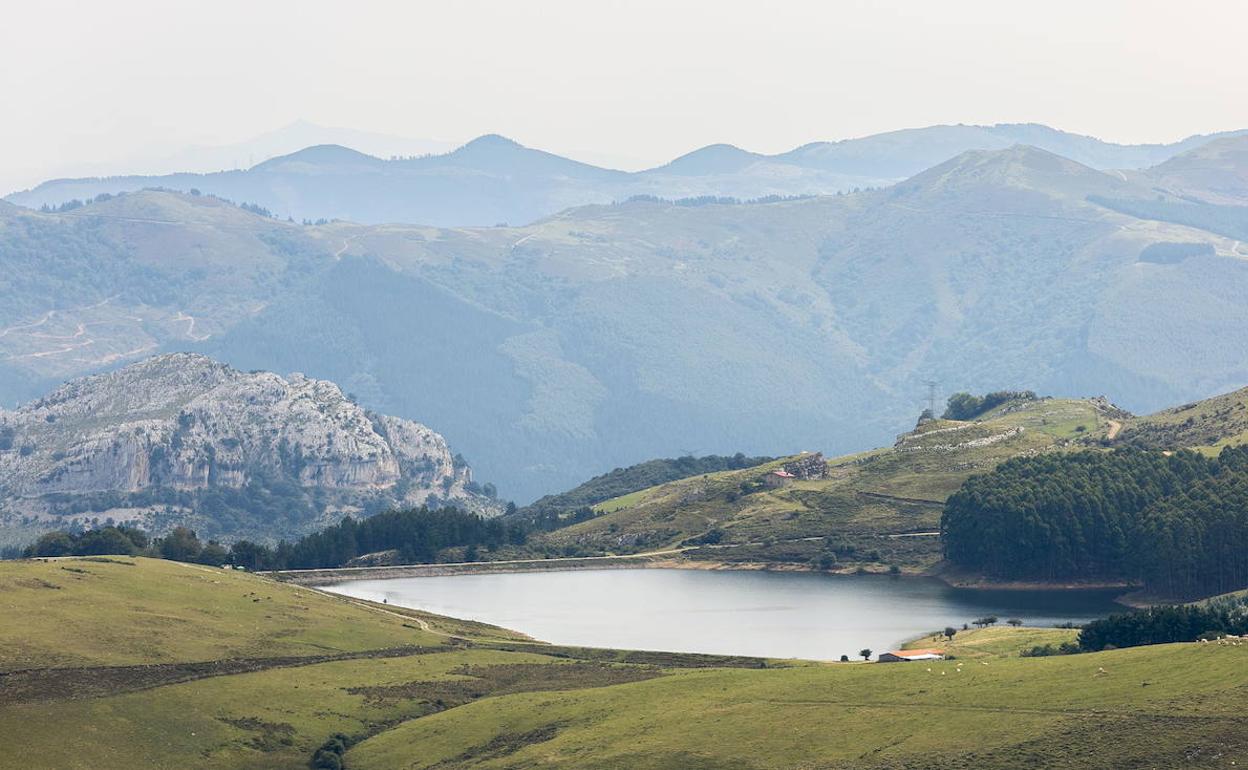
{"x": 186, "y": 423}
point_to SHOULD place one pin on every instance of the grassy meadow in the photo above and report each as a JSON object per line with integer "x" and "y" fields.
{"x": 136, "y": 663}
{"x": 1171, "y": 706}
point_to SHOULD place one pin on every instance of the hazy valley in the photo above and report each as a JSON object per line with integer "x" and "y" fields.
{"x": 608, "y": 334}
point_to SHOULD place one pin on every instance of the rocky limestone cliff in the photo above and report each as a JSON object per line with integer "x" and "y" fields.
{"x": 188, "y": 423}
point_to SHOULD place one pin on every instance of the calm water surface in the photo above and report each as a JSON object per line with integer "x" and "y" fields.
{"x": 773, "y": 614}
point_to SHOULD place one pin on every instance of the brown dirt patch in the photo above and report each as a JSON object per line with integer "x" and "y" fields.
{"x": 503, "y": 744}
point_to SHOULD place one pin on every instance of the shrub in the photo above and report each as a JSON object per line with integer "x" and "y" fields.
{"x": 328, "y": 756}
{"x": 1045, "y": 650}
{"x": 965, "y": 406}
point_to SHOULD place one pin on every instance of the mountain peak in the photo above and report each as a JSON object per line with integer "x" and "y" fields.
{"x": 493, "y": 140}
{"x": 1019, "y": 166}
{"x": 711, "y": 159}
{"x": 489, "y": 145}
{"x": 319, "y": 155}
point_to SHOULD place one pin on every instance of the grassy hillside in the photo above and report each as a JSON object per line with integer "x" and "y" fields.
{"x": 132, "y": 663}
{"x": 875, "y": 509}
{"x": 634, "y": 478}
{"x": 123, "y": 663}
{"x": 994, "y": 641}
{"x": 1207, "y": 425}
{"x": 116, "y": 611}
{"x": 1158, "y": 707}
{"x": 883, "y": 507}
{"x": 1216, "y": 172}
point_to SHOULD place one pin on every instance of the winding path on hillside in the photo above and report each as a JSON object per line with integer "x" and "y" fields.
{"x": 346, "y": 244}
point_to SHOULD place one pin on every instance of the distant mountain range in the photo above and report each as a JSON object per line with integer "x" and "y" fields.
{"x": 181, "y": 439}
{"x": 493, "y": 180}
{"x": 607, "y": 334}
{"x": 208, "y": 158}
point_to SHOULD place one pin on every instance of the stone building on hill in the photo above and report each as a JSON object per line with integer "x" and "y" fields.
{"x": 810, "y": 465}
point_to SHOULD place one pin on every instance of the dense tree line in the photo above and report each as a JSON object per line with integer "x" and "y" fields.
{"x": 1166, "y": 624}
{"x": 1178, "y": 524}
{"x": 576, "y": 504}
{"x": 181, "y": 544}
{"x": 418, "y": 535}
{"x": 965, "y": 406}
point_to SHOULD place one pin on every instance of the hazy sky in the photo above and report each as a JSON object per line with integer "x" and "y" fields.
{"x": 637, "y": 82}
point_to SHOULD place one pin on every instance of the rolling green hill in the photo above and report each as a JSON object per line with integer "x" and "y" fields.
{"x": 1207, "y": 425}
{"x": 624, "y": 481}
{"x": 875, "y": 510}
{"x": 881, "y": 509}
{"x": 134, "y": 663}
{"x": 1213, "y": 172}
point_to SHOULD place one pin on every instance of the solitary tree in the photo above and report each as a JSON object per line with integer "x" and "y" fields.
{"x": 1014, "y": 622}
{"x": 949, "y": 632}
{"x": 865, "y": 652}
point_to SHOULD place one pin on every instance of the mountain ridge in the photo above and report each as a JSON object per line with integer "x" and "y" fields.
{"x": 585, "y": 341}
{"x": 493, "y": 179}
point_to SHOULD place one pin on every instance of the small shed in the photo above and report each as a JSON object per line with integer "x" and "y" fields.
{"x": 902, "y": 656}
{"x": 778, "y": 478}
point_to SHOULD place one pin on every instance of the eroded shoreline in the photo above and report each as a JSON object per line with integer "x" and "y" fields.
{"x": 663, "y": 560}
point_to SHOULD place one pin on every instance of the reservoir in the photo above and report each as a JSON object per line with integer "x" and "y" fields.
{"x": 768, "y": 614}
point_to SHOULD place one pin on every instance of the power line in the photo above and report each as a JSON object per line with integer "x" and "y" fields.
{"x": 931, "y": 395}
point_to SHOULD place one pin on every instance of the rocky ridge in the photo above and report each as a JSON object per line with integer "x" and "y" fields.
{"x": 186, "y": 423}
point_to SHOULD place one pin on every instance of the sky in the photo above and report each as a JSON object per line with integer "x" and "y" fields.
{"x": 97, "y": 86}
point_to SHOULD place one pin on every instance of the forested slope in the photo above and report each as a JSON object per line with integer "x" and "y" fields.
{"x": 1176, "y": 523}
